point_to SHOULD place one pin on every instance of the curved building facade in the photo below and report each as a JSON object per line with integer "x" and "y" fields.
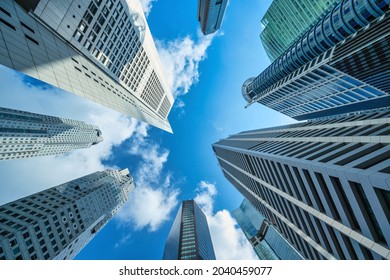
{"x": 285, "y": 21}
{"x": 330, "y": 42}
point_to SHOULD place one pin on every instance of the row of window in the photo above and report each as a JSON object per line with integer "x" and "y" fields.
{"x": 318, "y": 39}
{"x": 310, "y": 195}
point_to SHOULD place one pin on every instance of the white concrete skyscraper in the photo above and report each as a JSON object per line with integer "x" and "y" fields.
{"x": 101, "y": 50}
{"x": 58, "y": 222}
{"x": 24, "y": 134}
{"x": 323, "y": 184}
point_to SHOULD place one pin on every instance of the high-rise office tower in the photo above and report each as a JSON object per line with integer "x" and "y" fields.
{"x": 189, "y": 238}
{"x": 324, "y": 184}
{"x": 265, "y": 240}
{"x": 210, "y": 14}
{"x": 341, "y": 65}
{"x": 286, "y": 20}
{"x": 101, "y": 50}
{"x": 58, "y": 222}
{"x": 24, "y": 134}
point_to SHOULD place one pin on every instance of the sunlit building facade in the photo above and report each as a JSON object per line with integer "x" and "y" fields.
{"x": 210, "y": 14}
{"x": 323, "y": 184}
{"x": 101, "y": 50}
{"x": 24, "y": 134}
{"x": 341, "y": 65}
{"x": 58, "y": 222}
{"x": 267, "y": 243}
{"x": 189, "y": 238}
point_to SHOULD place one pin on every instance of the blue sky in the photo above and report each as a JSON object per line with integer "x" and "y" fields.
{"x": 206, "y": 74}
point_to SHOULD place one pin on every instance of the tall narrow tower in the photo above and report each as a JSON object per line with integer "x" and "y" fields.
{"x": 189, "y": 238}
{"x": 210, "y": 14}
{"x": 101, "y": 50}
{"x": 24, "y": 134}
{"x": 58, "y": 222}
{"x": 286, "y": 20}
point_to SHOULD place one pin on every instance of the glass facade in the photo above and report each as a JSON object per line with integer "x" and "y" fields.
{"x": 210, "y": 14}
{"x": 322, "y": 74}
{"x": 189, "y": 238}
{"x": 285, "y": 21}
{"x": 266, "y": 241}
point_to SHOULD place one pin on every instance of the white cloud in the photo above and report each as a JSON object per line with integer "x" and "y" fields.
{"x": 229, "y": 242}
{"x": 181, "y": 58}
{"x": 148, "y": 207}
{"x": 125, "y": 239}
{"x": 217, "y": 127}
{"x": 153, "y": 199}
{"x": 147, "y": 6}
{"x": 27, "y": 176}
{"x": 205, "y": 197}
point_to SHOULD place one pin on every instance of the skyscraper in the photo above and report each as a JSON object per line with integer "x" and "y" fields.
{"x": 210, "y": 14}
{"x": 58, "y": 222}
{"x": 324, "y": 184}
{"x": 24, "y": 134}
{"x": 340, "y": 65}
{"x": 265, "y": 240}
{"x": 286, "y": 20}
{"x": 101, "y": 50}
{"x": 189, "y": 238}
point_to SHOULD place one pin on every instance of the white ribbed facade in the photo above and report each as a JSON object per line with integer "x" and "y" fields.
{"x": 324, "y": 184}
{"x": 24, "y": 134}
{"x": 101, "y": 50}
{"x": 58, "y": 222}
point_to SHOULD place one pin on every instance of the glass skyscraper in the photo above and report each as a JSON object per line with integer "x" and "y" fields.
{"x": 286, "y": 20}
{"x": 323, "y": 184}
{"x": 101, "y": 50}
{"x": 265, "y": 240}
{"x": 210, "y": 14}
{"x": 189, "y": 238}
{"x": 24, "y": 134}
{"x": 340, "y": 65}
{"x": 58, "y": 222}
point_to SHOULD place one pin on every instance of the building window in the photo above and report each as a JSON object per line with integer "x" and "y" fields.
{"x": 367, "y": 211}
